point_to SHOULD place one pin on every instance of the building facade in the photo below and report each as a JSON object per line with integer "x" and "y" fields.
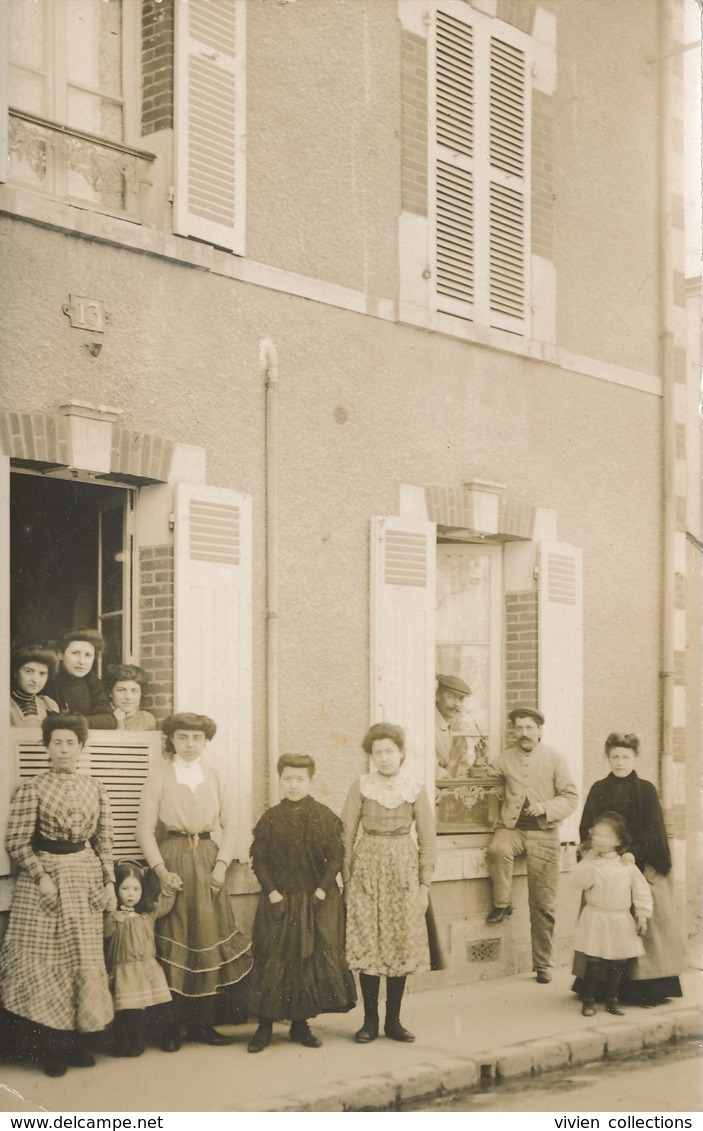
{"x": 345, "y": 343}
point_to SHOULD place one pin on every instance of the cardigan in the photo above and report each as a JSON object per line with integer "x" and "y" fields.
{"x": 542, "y": 776}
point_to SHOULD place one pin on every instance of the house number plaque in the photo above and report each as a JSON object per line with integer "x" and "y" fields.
{"x": 86, "y": 313}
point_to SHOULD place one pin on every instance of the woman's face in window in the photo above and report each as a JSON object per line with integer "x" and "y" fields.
{"x": 31, "y": 677}
{"x": 126, "y": 694}
{"x": 78, "y": 658}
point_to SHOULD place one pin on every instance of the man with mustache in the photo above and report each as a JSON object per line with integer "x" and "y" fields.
{"x": 449, "y": 696}
{"x": 539, "y": 793}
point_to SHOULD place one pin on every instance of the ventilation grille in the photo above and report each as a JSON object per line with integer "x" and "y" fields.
{"x": 405, "y": 559}
{"x": 214, "y": 532}
{"x": 561, "y": 584}
{"x": 487, "y": 950}
{"x": 122, "y": 771}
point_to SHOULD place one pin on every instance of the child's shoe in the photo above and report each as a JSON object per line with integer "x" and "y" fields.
{"x": 262, "y": 1037}
{"x": 301, "y": 1033}
{"x": 613, "y": 1007}
{"x": 588, "y": 1009}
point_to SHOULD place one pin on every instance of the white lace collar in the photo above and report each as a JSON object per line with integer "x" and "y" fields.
{"x": 389, "y": 792}
{"x": 188, "y": 773}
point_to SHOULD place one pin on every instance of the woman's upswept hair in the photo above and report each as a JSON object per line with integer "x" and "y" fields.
{"x": 186, "y": 720}
{"x": 122, "y": 672}
{"x": 65, "y": 721}
{"x": 617, "y": 738}
{"x": 384, "y": 730}
{"x": 34, "y": 654}
{"x": 148, "y": 880}
{"x": 89, "y": 635}
{"x": 619, "y": 826}
{"x": 296, "y": 762}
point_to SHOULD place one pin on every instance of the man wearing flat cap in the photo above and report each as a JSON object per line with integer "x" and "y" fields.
{"x": 449, "y": 697}
{"x": 539, "y": 793}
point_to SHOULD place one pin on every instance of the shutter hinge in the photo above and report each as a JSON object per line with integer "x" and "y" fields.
{"x": 172, "y": 521}
{"x": 170, "y": 194}
{"x": 535, "y": 573}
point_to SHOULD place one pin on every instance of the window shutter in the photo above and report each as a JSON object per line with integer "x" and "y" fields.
{"x": 213, "y": 630}
{"x": 210, "y": 122}
{"x": 7, "y": 769}
{"x": 480, "y": 91}
{"x": 403, "y": 566}
{"x": 121, "y": 763}
{"x": 4, "y": 119}
{"x": 560, "y": 663}
{"x": 454, "y": 167}
{"x": 508, "y": 210}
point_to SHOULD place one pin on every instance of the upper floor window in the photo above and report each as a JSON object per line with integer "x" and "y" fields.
{"x": 479, "y": 150}
{"x": 73, "y": 96}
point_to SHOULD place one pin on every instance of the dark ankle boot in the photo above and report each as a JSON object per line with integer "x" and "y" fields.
{"x": 56, "y": 1045}
{"x": 395, "y": 987}
{"x": 262, "y": 1036}
{"x": 370, "y": 984}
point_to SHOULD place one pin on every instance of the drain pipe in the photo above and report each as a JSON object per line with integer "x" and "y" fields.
{"x": 269, "y": 364}
{"x": 666, "y": 307}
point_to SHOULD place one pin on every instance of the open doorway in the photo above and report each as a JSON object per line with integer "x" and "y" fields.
{"x": 71, "y": 561}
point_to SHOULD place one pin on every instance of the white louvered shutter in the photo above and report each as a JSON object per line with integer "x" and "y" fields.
{"x": 454, "y": 165}
{"x": 403, "y": 568}
{"x": 481, "y": 97}
{"x": 4, "y": 115}
{"x": 213, "y": 630}
{"x": 560, "y": 663}
{"x": 509, "y": 199}
{"x": 210, "y": 122}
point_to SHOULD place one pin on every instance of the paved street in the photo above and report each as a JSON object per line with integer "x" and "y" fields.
{"x": 653, "y": 1082}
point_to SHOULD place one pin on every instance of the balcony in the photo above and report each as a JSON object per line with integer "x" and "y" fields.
{"x": 78, "y": 167}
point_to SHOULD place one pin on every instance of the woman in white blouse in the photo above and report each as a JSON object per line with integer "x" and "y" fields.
{"x": 205, "y": 957}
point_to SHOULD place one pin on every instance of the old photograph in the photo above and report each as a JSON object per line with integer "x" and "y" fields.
{"x": 350, "y": 559}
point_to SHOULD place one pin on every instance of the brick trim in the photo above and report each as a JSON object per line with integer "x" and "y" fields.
{"x": 156, "y": 601}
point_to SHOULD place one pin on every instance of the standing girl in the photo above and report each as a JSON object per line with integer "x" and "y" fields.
{"x": 388, "y": 880}
{"x": 136, "y": 979}
{"x": 606, "y": 933}
{"x": 298, "y": 939}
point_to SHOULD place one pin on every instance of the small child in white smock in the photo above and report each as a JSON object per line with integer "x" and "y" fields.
{"x": 614, "y": 889}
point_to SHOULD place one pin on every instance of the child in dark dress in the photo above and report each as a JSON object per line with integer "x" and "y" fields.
{"x": 298, "y": 938}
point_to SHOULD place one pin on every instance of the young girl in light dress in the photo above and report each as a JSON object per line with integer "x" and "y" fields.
{"x": 136, "y": 979}
{"x": 606, "y": 933}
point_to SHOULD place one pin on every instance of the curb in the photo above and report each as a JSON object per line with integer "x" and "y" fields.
{"x": 386, "y": 1091}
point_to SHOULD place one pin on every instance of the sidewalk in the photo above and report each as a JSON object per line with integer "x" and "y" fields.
{"x": 506, "y": 1027}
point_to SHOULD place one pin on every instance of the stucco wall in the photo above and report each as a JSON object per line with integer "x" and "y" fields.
{"x": 363, "y": 406}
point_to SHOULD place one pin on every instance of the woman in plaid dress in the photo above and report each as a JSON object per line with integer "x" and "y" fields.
{"x": 52, "y": 970}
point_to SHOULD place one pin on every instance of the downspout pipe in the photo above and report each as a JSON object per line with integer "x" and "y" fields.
{"x": 666, "y": 308}
{"x": 269, "y": 364}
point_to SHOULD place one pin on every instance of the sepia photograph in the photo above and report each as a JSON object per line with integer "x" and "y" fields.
{"x": 350, "y": 562}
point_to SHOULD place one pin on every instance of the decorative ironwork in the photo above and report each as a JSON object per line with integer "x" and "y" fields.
{"x": 468, "y": 806}
{"x": 112, "y": 171}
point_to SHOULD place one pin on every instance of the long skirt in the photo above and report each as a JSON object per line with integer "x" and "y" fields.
{"x": 386, "y": 928}
{"x": 654, "y": 976}
{"x": 299, "y": 964}
{"x": 52, "y": 969}
{"x": 202, "y": 951}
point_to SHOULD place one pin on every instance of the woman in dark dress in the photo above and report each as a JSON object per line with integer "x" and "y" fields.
{"x": 654, "y": 977}
{"x": 298, "y": 939}
{"x": 76, "y": 687}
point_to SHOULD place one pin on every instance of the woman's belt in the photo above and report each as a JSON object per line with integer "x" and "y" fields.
{"x": 382, "y": 832}
{"x": 58, "y": 847}
{"x": 194, "y": 838}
